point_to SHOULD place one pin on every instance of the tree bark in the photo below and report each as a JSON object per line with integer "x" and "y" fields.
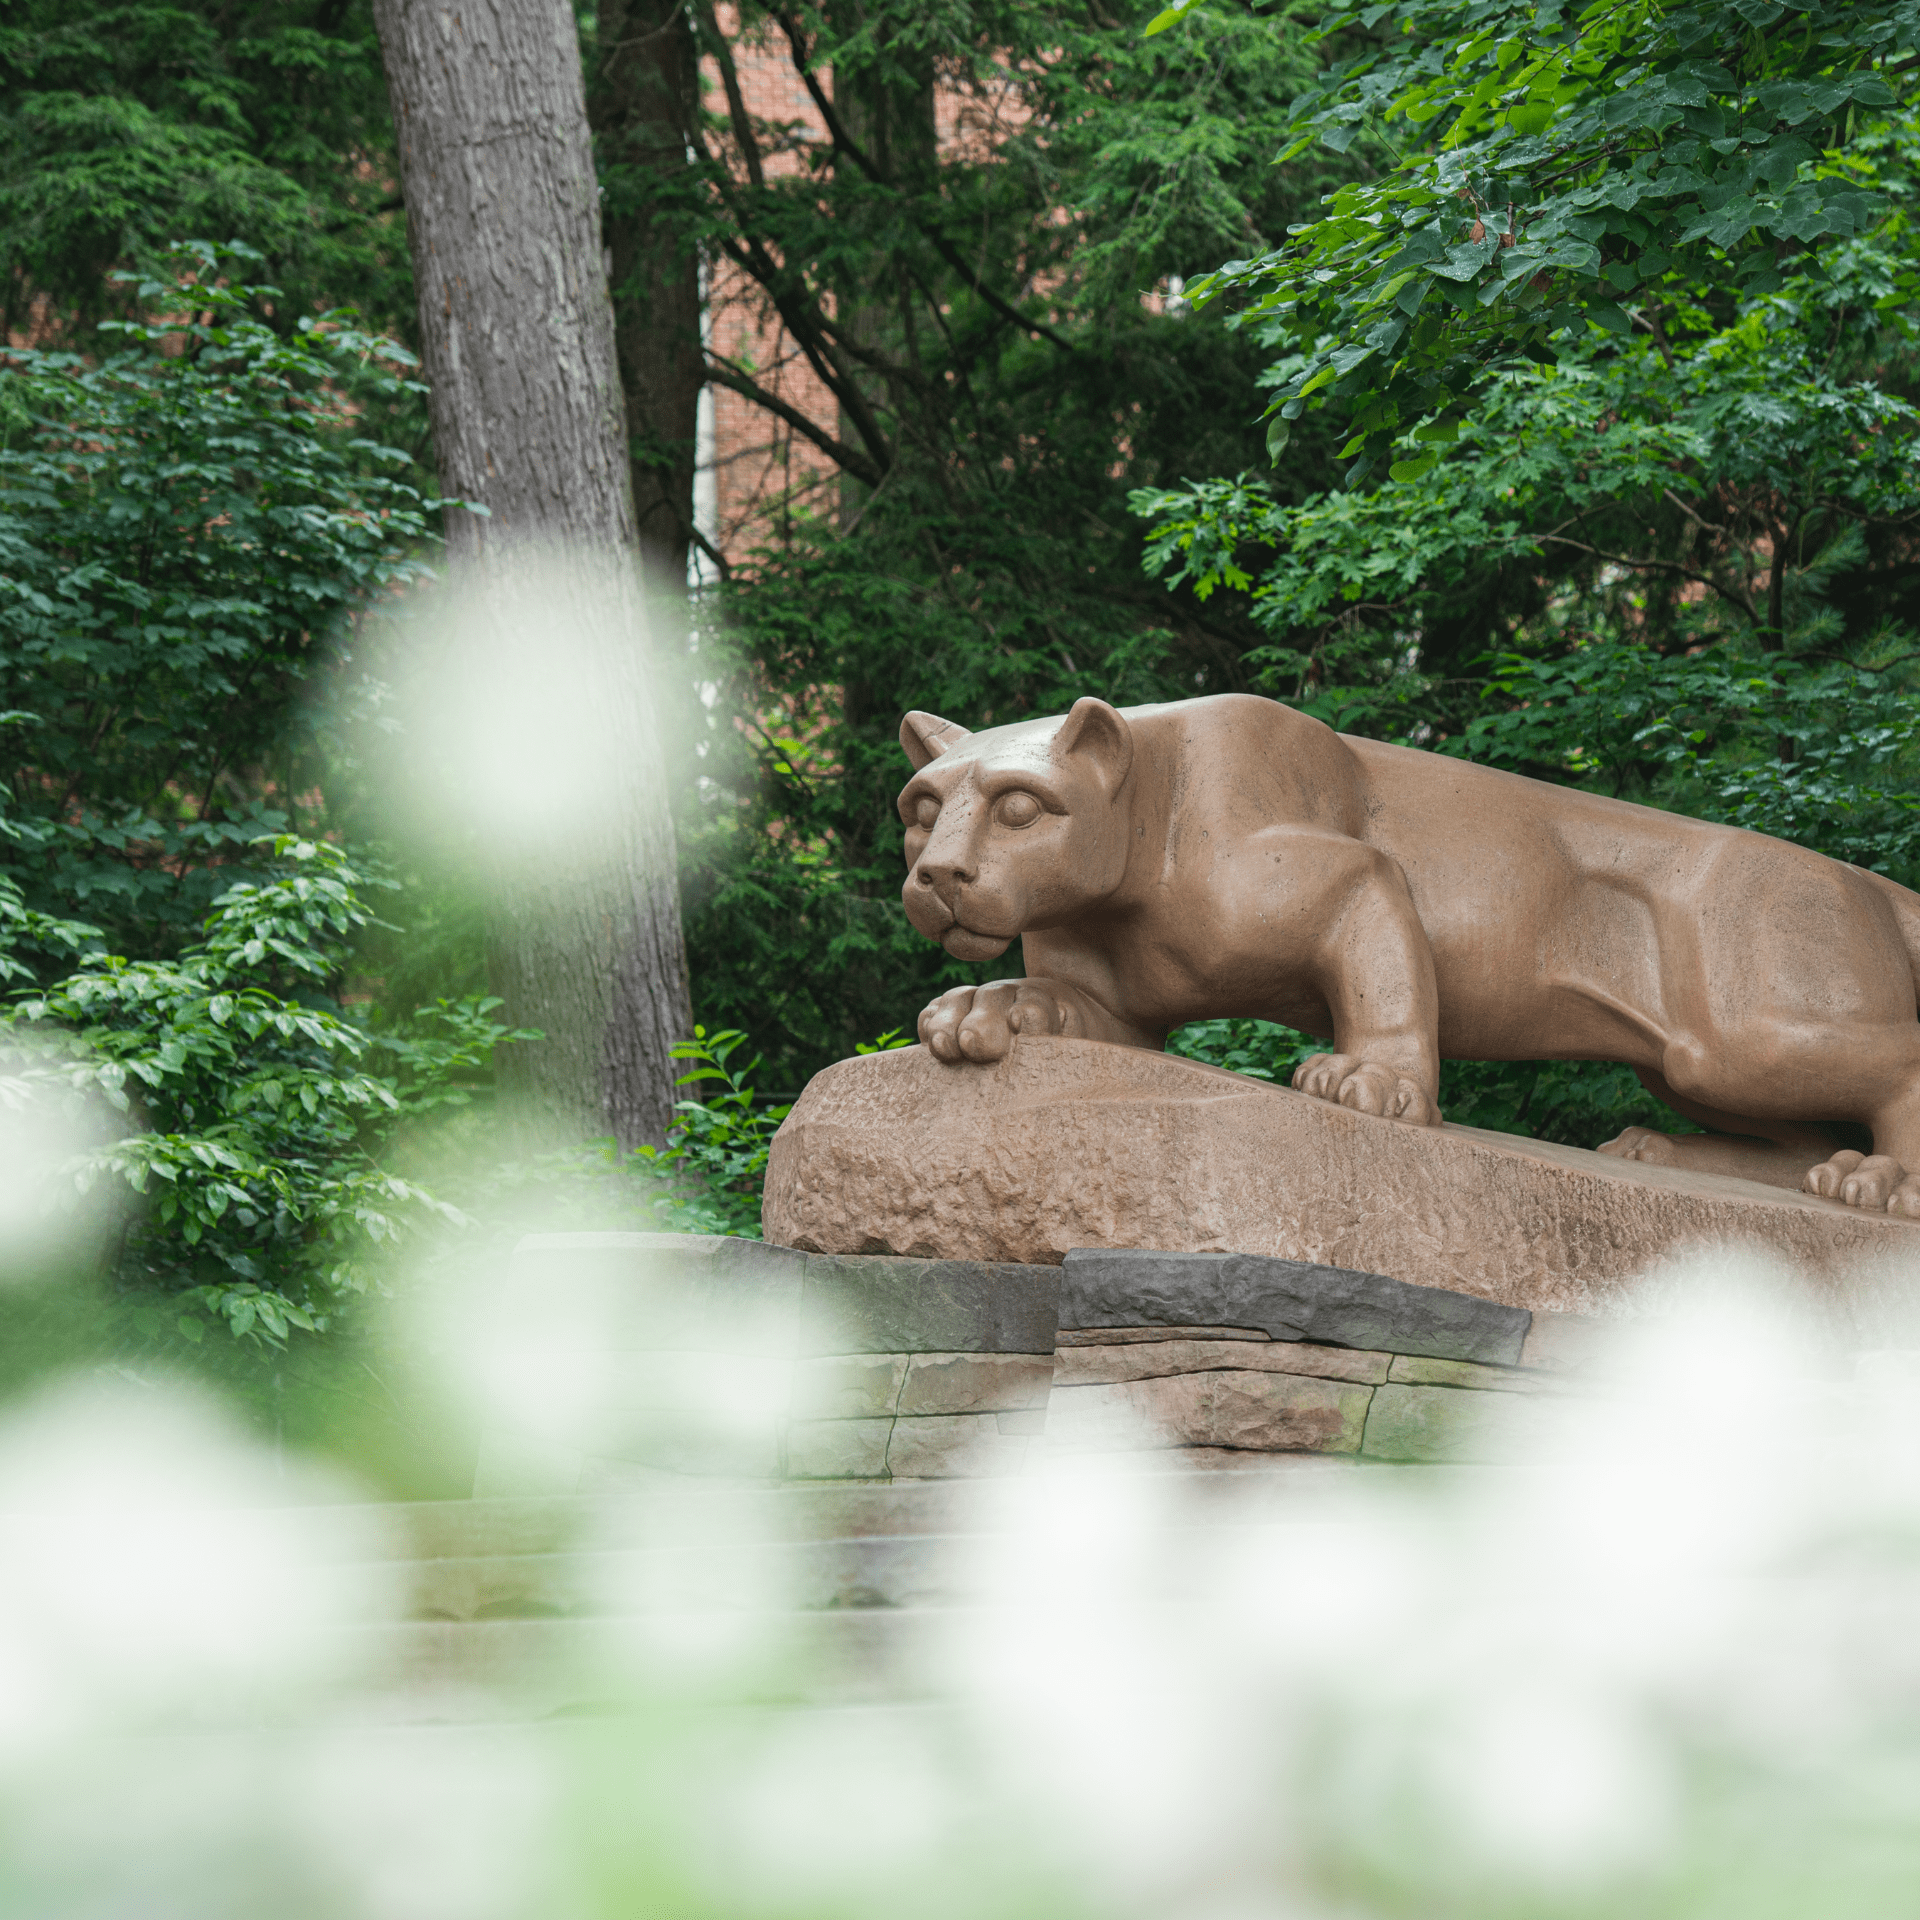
{"x": 517, "y": 339}
{"x": 644, "y": 96}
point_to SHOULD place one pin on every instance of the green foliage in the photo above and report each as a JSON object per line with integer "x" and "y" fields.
{"x": 716, "y": 1155}
{"x": 1807, "y": 751}
{"x": 186, "y": 526}
{"x": 715, "y": 1159}
{"x": 125, "y": 124}
{"x": 1258, "y": 1048}
{"x": 1732, "y": 483}
{"x": 253, "y": 1112}
{"x": 1556, "y": 173}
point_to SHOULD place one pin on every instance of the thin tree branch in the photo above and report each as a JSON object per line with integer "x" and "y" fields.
{"x": 712, "y": 552}
{"x": 1661, "y": 566}
{"x": 803, "y": 322}
{"x": 1705, "y": 526}
{"x": 736, "y": 102}
{"x": 660, "y": 32}
{"x": 803, "y": 319}
{"x": 848, "y": 459}
{"x": 844, "y": 142}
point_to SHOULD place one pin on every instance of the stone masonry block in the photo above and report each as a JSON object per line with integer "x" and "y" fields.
{"x": 1446, "y": 1424}
{"x": 1410, "y": 1371}
{"x": 956, "y": 1446}
{"x": 1290, "y": 1299}
{"x": 837, "y": 1449}
{"x": 975, "y": 1383}
{"x": 1092, "y": 1366}
{"x": 1262, "y": 1412}
{"x": 857, "y": 1303}
{"x": 847, "y": 1386}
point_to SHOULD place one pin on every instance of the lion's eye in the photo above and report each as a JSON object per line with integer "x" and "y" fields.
{"x": 926, "y": 810}
{"x": 1017, "y": 810}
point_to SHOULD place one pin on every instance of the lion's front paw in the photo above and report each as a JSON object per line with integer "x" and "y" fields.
{"x": 1367, "y": 1087}
{"x": 979, "y": 1023}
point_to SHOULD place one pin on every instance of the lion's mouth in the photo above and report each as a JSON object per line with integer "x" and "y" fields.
{"x": 933, "y": 914}
{"x": 964, "y": 944}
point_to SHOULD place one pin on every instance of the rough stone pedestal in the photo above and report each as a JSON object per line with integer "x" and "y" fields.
{"x": 1075, "y": 1143}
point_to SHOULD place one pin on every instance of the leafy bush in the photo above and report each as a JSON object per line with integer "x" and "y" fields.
{"x": 252, "y": 1111}
{"x": 715, "y": 1159}
{"x": 185, "y": 526}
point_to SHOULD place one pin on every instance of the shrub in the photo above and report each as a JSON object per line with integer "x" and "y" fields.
{"x": 250, "y": 1112}
{"x": 186, "y": 527}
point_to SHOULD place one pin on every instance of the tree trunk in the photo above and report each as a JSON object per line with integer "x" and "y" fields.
{"x": 528, "y": 421}
{"x": 644, "y": 96}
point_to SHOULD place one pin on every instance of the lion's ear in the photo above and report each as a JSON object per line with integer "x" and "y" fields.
{"x": 925, "y": 736}
{"x": 1101, "y": 732}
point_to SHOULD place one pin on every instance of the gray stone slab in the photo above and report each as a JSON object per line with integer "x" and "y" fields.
{"x": 859, "y": 1303}
{"x": 1290, "y": 1299}
{"x": 1154, "y": 1360}
{"x": 1122, "y": 1336}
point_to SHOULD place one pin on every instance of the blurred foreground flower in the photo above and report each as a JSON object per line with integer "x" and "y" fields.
{"x": 1666, "y": 1668}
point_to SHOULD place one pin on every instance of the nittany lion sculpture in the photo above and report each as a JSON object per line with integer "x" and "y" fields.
{"x": 1228, "y": 856}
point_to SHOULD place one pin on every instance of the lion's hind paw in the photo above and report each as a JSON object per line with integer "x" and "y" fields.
{"x": 1642, "y": 1144}
{"x": 1874, "y": 1182}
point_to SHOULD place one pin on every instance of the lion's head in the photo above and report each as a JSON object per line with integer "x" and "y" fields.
{"x": 1015, "y": 829}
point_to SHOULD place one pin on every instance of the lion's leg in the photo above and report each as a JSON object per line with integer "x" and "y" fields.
{"x": 1789, "y": 997}
{"x": 1889, "y": 1177}
{"x": 1845, "y": 1071}
{"x": 1779, "y": 1153}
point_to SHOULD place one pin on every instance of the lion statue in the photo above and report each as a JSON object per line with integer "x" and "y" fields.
{"x": 1229, "y": 856}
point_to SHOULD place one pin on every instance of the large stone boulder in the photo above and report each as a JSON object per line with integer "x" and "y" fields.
{"x": 1075, "y": 1143}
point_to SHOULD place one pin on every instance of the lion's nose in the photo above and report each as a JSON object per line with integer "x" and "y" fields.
{"x": 945, "y": 877}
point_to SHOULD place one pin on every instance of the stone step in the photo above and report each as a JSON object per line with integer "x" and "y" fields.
{"x": 455, "y": 1672}
{"x": 469, "y": 1611}
{"x": 877, "y": 1570}
{"x": 687, "y": 1515}
{"x": 694, "y": 1515}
